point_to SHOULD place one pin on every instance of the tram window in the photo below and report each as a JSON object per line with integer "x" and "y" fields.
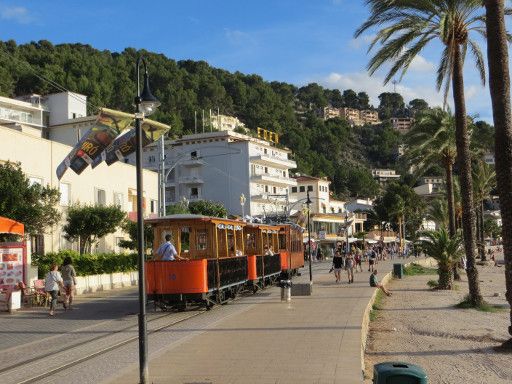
{"x": 231, "y": 240}
{"x": 185, "y": 238}
{"x": 202, "y": 239}
{"x": 250, "y": 241}
{"x": 282, "y": 241}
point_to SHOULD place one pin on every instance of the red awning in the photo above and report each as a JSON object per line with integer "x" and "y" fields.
{"x": 11, "y": 226}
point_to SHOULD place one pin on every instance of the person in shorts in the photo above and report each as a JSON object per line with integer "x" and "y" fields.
{"x": 372, "y": 258}
{"x": 69, "y": 277}
{"x": 337, "y": 265}
{"x": 349, "y": 266}
{"x": 358, "y": 258}
{"x": 52, "y": 284}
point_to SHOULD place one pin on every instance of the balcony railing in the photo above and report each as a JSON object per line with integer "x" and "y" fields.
{"x": 273, "y": 161}
{"x": 274, "y": 179}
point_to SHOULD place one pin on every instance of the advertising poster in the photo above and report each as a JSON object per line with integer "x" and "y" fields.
{"x": 107, "y": 127}
{"x": 11, "y": 265}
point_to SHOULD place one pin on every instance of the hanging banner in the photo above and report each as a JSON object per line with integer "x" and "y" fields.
{"x": 107, "y": 126}
{"x": 124, "y": 145}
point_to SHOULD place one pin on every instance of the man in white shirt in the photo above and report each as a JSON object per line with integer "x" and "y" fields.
{"x": 167, "y": 252}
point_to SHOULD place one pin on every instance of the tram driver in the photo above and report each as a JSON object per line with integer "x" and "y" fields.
{"x": 167, "y": 251}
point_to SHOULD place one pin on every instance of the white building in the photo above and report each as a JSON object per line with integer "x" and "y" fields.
{"x": 21, "y": 141}
{"x": 221, "y": 166}
{"x": 225, "y": 123}
{"x": 384, "y": 176}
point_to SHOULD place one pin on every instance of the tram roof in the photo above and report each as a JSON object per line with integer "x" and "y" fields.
{"x": 191, "y": 217}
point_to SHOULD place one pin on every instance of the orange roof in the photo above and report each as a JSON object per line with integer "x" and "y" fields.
{"x": 11, "y": 226}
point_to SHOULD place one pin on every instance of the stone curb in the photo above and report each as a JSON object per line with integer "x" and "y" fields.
{"x": 365, "y": 324}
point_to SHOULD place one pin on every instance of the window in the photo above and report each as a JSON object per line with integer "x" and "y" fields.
{"x": 310, "y": 188}
{"x": 266, "y": 169}
{"x": 153, "y": 206}
{"x": 265, "y": 151}
{"x": 266, "y": 188}
{"x": 294, "y": 189}
{"x": 275, "y": 190}
{"x": 117, "y": 244}
{"x": 118, "y": 199}
{"x": 35, "y": 180}
{"x": 253, "y": 169}
{"x": 284, "y": 173}
{"x": 151, "y": 159}
{"x": 64, "y": 194}
{"x": 194, "y": 192}
{"x": 37, "y": 244}
{"x": 302, "y": 188}
{"x": 100, "y": 197}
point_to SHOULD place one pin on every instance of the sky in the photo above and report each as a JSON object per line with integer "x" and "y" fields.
{"x": 294, "y": 41}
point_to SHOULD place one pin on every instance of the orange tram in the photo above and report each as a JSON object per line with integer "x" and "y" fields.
{"x": 224, "y": 257}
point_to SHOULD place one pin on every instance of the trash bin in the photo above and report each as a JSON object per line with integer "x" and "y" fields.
{"x": 398, "y": 270}
{"x": 398, "y": 373}
{"x": 286, "y": 290}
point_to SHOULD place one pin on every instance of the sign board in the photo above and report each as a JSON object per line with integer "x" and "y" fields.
{"x": 12, "y": 264}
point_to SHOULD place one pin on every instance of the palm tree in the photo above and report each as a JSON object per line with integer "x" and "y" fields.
{"x": 499, "y": 85}
{"x": 446, "y": 250}
{"x": 432, "y": 139}
{"x": 484, "y": 181}
{"x": 438, "y": 212}
{"x": 406, "y": 27}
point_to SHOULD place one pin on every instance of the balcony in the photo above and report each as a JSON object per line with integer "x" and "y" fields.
{"x": 273, "y": 161}
{"x": 190, "y": 180}
{"x": 193, "y": 162}
{"x": 276, "y": 180}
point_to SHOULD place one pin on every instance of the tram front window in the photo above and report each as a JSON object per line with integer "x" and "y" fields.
{"x": 185, "y": 239}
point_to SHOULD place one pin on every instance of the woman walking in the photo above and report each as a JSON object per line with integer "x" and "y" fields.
{"x": 349, "y": 266}
{"x": 69, "y": 278}
{"x": 52, "y": 283}
{"x": 337, "y": 264}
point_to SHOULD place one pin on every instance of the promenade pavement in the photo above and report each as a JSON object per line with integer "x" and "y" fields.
{"x": 312, "y": 339}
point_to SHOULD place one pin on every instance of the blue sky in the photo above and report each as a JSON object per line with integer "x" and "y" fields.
{"x": 296, "y": 41}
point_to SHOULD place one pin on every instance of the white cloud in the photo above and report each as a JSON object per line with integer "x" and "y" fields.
{"x": 363, "y": 40}
{"x": 361, "y": 81}
{"x": 18, "y": 14}
{"x": 237, "y": 37}
{"x": 420, "y": 64}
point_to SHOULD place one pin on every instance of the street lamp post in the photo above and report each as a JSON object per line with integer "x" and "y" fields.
{"x": 242, "y": 203}
{"x": 347, "y": 248}
{"x": 145, "y": 104}
{"x": 308, "y": 202}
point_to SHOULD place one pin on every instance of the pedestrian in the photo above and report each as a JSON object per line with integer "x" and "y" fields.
{"x": 374, "y": 282}
{"x": 52, "y": 283}
{"x": 167, "y": 251}
{"x": 319, "y": 255}
{"x": 337, "y": 265}
{"x": 69, "y": 278}
{"x": 349, "y": 266}
{"x": 358, "y": 259}
{"x": 372, "y": 258}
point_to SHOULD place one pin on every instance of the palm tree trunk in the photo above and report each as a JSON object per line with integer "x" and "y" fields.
{"x": 448, "y": 168}
{"x": 478, "y": 228}
{"x": 499, "y": 85}
{"x": 483, "y": 257}
{"x": 466, "y": 183}
{"x": 445, "y": 278}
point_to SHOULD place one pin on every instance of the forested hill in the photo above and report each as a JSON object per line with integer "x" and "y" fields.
{"x": 322, "y": 148}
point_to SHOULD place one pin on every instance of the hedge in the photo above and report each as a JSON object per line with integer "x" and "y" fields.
{"x": 87, "y": 264}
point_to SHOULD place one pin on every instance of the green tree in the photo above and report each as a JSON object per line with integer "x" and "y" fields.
{"x": 208, "y": 208}
{"x": 446, "y": 250}
{"x": 484, "y": 181}
{"x": 417, "y": 105}
{"x": 34, "y": 205}
{"x": 88, "y": 223}
{"x": 438, "y": 212}
{"x": 391, "y": 104}
{"x": 491, "y": 228}
{"x": 350, "y": 99}
{"x": 499, "y": 85}
{"x": 432, "y": 140}
{"x": 130, "y": 227}
{"x": 406, "y": 27}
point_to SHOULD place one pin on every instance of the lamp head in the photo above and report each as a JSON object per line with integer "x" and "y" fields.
{"x": 148, "y": 102}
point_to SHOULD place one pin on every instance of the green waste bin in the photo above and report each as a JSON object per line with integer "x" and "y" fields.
{"x": 398, "y": 373}
{"x": 398, "y": 270}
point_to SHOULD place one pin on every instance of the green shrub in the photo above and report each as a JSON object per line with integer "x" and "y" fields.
{"x": 416, "y": 269}
{"x": 87, "y": 264}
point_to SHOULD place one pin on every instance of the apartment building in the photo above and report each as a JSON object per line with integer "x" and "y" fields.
{"x": 225, "y": 123}
{"x": 354, "y": 116}
{"x": 384, "y": 176}
{"x": 329, "y": 217}
{"x": 402, "y": 124}
{"x": 22, "y": 140}
{"x": 221, "y": 166}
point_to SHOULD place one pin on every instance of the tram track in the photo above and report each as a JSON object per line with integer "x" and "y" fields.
{"x": 29, "y": 365}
